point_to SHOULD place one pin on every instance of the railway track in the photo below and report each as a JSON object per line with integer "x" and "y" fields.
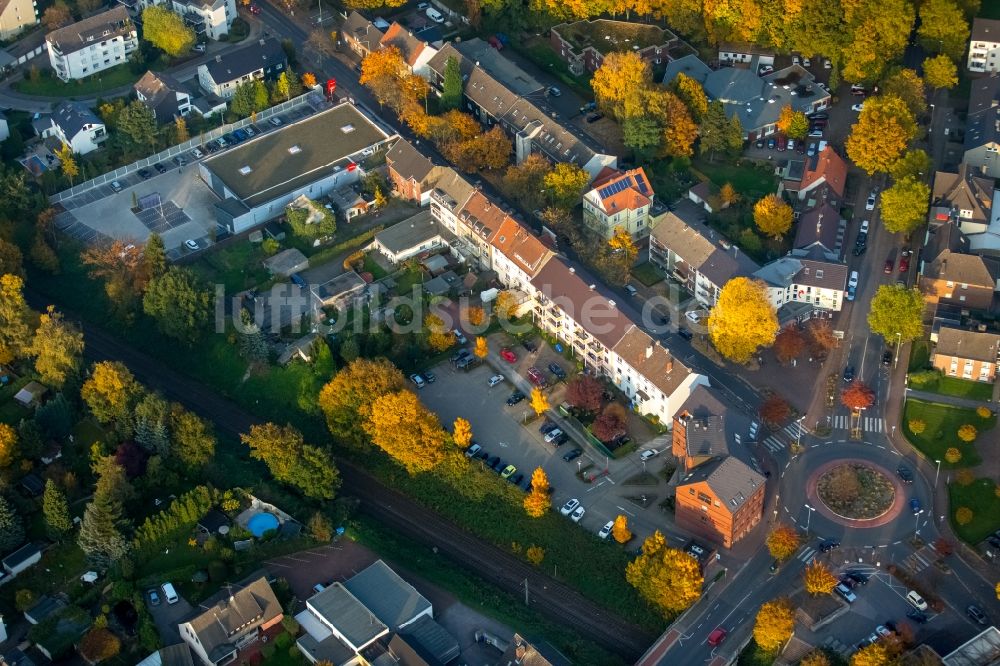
{"x": 553, "y": 599}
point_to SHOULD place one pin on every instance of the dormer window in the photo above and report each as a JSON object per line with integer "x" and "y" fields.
{"x": 245, "y": 170}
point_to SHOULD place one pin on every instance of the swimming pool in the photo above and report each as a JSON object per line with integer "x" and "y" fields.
{"x": 262, "y": 523}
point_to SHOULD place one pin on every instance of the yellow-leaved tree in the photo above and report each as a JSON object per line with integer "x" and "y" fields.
{"x": 876, "y": 654}
{"x": 462, "y": 433}
{"x": 940, "y": 72}
{"x": 57, "y": 348}
{"x": 904, "y": 205}
{"x": 538, "y": 401}
{"x": 884, "y": 129}
{"x": 167, "y": 31}
{"x": 620, "y": 530}
{"x": 773, "y": 216}
{"x": 8, "y": 445}
{"x": 347, "y": 398}
{"x": 538, "y": 501}
{"x": 667, "y": 578}
{"x": 621, "y": 241}
{"x": 783, "y": 541}
{"x": 400, "y": 425}
{"x": 565, "y": 184}
{"x": 692, "y": 94}
{"x": 15, "y": 335}
{"x": 482, "y": 349}
{"x": 110, "y": 392}
{"x": 815, "y": 658}
{"x": 438, "y": 336}
{"x": 774, "y": 625}
{"x": 792, "y": 123}
{"x": 818, "y": 579}
{"x": 616, "y": 82}
{"x": 743, "y": 320}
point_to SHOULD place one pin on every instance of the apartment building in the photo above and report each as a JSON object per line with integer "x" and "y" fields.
{"x": 964, "y": 198}
{"x": 967, "y": 354}
{"x": 92, "y": 45}
{"x": 696, "y": 257}
{"x": 819, "y": 284}
{"x": 982, "y": 127}
{"x": 984, "y": 46}
{"x": 208, "y": 18}
{"x": 950, "y": 276}
{"x": 518, "y": 255}
{"x": 16, "y": 16}
{"x": 619, "y": 199}
{"x": 264, "y": 59}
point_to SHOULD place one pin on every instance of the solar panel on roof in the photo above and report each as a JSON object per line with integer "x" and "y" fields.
{"x": 613, "y": 188}
{"x": 642, "y": 184}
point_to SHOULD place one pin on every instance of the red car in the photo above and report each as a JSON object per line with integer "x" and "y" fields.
{"x": 716, "y": 637}
{"x": 904, "y": 264}
{"x": 888, "y": 266}
{"x": 536, "y": 377}
{"x": 508, "y": 356}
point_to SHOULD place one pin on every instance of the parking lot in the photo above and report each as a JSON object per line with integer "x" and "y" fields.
{"x": 497, "y": 428}
{"x": 167, "y": 616}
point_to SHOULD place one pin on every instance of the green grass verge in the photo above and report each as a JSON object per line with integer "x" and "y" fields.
{"x": 748, "y": 179}
{"x": 372, "y": 266}
{"x": 647, "y": 274}
{"x": 459, "y": 579}
{"x": 753, "y": 655}
{"x": 49, "y": 86}
{"x": 238, "y": 265}
{"x": 963, "y": 388}
{"x": 941, "y": 430}
{"x": 920, "y": 356}
{"x": 538, "y": 50}
{"x": 981, "y": 497}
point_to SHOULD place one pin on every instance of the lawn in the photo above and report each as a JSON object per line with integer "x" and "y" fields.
{"x": 647, "y": 274}
{"x": 750, "y": 180}
{"x": 405, "y": 282}
{"x": 540, "y": 52}
{"x": 48, "y": 85}
{"x": 943, "y": 422}
{"x": 964, "y": 388}
{"x": 372, "y": 266}
{"x": 981, "y": 497}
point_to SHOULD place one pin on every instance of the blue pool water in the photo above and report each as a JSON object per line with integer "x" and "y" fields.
{"x": 261, "y": 523}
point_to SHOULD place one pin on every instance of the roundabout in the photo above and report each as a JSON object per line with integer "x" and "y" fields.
{"x": 850, "y": 492}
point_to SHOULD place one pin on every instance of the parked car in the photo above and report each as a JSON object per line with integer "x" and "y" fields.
{"x": 154, "y": 598}
{"x": 547, "y": 427}
{"x": 594, "y": 117}
{"x": 191, "y": 244}
{"x": 759, "y": 143}
{"x": 255, "y": 10}
{"x": 859, "y": 250}
{"x": 577, "y": 514}
{"x": 845, "y": 593}
{"x": 853, "y": 280}
{"x": 570, "y": 456}
{"x": 560, "y": 440}
{"x": 552, "y": 435}
{"x": 605, "y": 531}
{"x": 904, "y": 264}
{"x": 827, "y": 545}
{"x": 508, "y": 355}
{"x": 180, "y": 161}
{"x": 977, "y": 615}
{"x": 508, "y": 472}
{"x": 684, "y": 333}
{"x": 473, "y": 450}
{"x": 569, "y": 507}
{"x": 771, "y": 143}
{"x": 418, "y": 381}
{"x": 492, "y": 461}
{"x": 529, "y": 345}
{"x": 858, "y": 108}
{"x": 630, "y": 290}
{"x": 554, "y": 91}
{"x": 915, "y": 600}
{"x": 556, "y": 370}
{"x": 515, "y": 398}
{"x": 197, "y": 154}
{"x": 764, "y": 70}
{"x": 889, "y": 265}
{"x": 648, "y": 454}
{"x": 143, "y": 174}
{"x": 199, "y": 48}
{"x": 495, "y": 379}
{"x": 849, "y": 374}
{"x": 460, "y": 337}
{"x": 858, "y": 577}
{"x": 870, "y": 202}
{"x": 276, "y": 121}
{"x": 536, "y": 377}
{"x": 116, "y": 186}
{"x": 917, "y": 616}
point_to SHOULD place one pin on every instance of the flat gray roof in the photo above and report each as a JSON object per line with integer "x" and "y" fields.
{"x": 394, "y": 601}
{"x": 342, "y": 609}
{"x": 277, "y": 167}
{"x": 412, "y": 232}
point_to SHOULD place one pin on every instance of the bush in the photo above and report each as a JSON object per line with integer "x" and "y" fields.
{"x": 967, "y": 433}
{"x": 952, "y": 455}
{"x": 925, "y": 378}
{"x": 964, "y": 477}
{"x": 917, "y": 426}
{"x": 964, "y": 515}
{"x": 983, "y": 412}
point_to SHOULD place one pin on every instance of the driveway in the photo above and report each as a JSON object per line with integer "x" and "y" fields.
{"x": 168, "y": 616}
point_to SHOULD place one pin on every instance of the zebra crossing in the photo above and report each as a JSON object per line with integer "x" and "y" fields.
{"x": 868, "y": 423}
{"x": 919, "y": 560}
{"x": 775, "y": 443}
{"x": 806, "y": 555}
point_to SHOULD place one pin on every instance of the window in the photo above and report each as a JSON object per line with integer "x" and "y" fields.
{"x": 294, "y": 149}
{"x": 245, "y": 170}
{"x": 949, "y": 283}
{"x": 965, "y": 286}
{"x": 961, "y": 298}
{"x": 347, "y": 129}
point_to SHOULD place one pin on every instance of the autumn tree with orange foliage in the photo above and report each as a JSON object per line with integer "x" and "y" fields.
{"x": 772, "y": 216}
{"x": 538, "y": 501}
{"x": 818, "y": 579}
{"x": 789, "y": 344}
{"x": 775, "y": 410}
{"x": 347, "y": 398}
{"x": 99, "y": 644}
{"x": 117, "y": 265}
{"x": 438, "y": 336}
{"x": 783, "y": 541}
{"x": 857, "y": 396}
{"x": 462, "y": 433}
{"x": 400, "y": 425}
{"x": 308, "y": 80}
{"x": 819, "y": 333}
{"x": 774, "y": 624}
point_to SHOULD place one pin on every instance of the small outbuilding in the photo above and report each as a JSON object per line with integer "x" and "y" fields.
{"x": 27, "y": 555}
{"x": 287, "y": 262}
{"x": 31, "y": 394}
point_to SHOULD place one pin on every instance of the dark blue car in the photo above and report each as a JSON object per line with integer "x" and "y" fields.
{"x": 915, "y": 505}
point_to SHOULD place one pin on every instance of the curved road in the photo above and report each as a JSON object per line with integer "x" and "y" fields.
{"x": 553, "y": 599}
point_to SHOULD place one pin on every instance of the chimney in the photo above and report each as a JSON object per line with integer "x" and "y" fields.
{"x": 592, "y": 287}
{"x": 649, "y": 350}
{"x": 670, "y": 364}
{"x": 572, "y": 270}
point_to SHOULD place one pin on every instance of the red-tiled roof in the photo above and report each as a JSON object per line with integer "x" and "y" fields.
{"x": 521, "y": 246}
{"x": 830, "y": 167}
{"x": 626, "y": 190}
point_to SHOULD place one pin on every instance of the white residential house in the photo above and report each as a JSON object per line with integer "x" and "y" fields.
{"x": 16, "y": 16}
{"x": 264, "y": 59}
{"x": 74, "y": 124}
{"x": 821, "y": 284}
{"x": 619, "y": 199}
{"x": 92, "y": 45}
{"x": 208, "y": 18}
{"x": 4, "y": 127}
{"x": 984, "y": 46}
{"x": 518, "y": 255}
{"x": 163, "y": 95}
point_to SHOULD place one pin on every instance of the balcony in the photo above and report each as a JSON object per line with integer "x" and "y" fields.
{"x": 196, "y": 21}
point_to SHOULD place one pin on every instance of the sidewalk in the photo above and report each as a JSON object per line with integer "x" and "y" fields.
{"x": 946, "y": 399}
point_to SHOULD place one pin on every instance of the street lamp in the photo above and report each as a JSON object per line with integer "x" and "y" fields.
{"x": 936, "y": 474}
{"x": 808, "y": 517}
{"x": 798, "y": 435}
{"x": 916, "y": 523}
{"x": 899, "y": 342}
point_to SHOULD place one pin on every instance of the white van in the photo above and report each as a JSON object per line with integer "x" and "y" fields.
{"x": 434, "y": 15}
{"x": 169, "y": 593}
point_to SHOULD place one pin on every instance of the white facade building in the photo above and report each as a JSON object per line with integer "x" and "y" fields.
{"x": 984, "y": 46}
{"x": 92, "y": 45}
{"x": 208, "y": 18}
{"x": 75, "y": 125}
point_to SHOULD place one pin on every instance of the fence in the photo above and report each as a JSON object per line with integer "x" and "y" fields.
{"x": 311, "y": 97}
